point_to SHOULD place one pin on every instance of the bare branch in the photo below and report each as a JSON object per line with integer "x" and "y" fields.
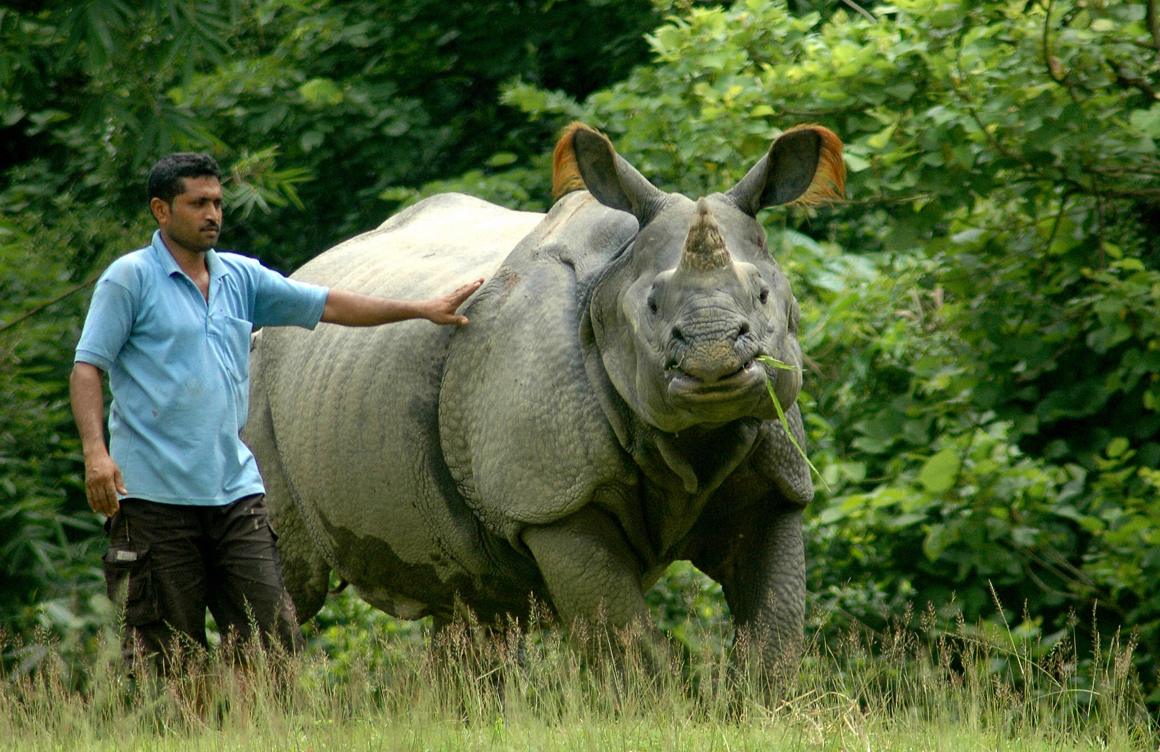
{"x": 1153, "y": 16}
{"x": 1128, "y": 81}
{"x": 45, "y": 306}
{"x": 865, "y": 13}
{"x": 1055, "y": 69}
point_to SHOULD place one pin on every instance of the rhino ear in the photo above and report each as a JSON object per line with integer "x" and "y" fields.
{"x": 584, "y": 158}
{"x": 804, "y": 166}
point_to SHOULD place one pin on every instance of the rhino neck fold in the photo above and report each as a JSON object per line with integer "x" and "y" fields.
{"x": 613, "y": 407}
{"x": 679, "y": 473}
{"x": 686, "y": 471}
{"x": 704, "y": 459}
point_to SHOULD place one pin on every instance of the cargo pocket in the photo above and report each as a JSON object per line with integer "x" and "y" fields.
{"x": 129, "y": 579}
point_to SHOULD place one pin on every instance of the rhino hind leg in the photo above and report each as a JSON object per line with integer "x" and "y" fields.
{"x": 305, "y": 573}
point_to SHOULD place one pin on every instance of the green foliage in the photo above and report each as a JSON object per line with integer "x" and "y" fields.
{"x": 689, "y": 608}
{"x": 393, "y": 100}
{"x": 319, "y": 104}
{"x": 44, "y": 544}
{"x": 980, "y": 319}
{"x": 981, "y": 327}
{"x": 937, "y": 499}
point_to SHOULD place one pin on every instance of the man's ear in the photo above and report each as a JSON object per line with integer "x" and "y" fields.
{"x": 160, "y": 209}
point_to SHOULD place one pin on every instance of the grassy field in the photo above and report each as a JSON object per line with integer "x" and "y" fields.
{"x": 905, "y": 691}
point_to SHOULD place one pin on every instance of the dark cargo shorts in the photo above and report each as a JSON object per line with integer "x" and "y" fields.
{"x": 168, "y": 563}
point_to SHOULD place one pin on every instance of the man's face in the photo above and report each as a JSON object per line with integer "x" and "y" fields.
{"x": 194, "y": 220}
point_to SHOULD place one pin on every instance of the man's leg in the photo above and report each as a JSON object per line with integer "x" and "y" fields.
{"x": 155, "y": 573}
{"x": 246, "y": 588}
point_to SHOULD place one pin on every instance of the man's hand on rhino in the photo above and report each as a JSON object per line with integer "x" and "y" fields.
{"x": 442, "y": 310}
{"x": 349, "y": 308}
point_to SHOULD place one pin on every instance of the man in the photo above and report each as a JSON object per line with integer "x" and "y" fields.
{"x": 171, "y": 324}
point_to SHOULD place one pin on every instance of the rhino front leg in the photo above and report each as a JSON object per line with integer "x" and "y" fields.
{"x": 763, "y": 579}
{"x": 589, "y": 570}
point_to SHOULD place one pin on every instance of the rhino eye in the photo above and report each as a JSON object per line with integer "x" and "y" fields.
{"x": 764, "y": 296}
{"x": 652, "y": 304}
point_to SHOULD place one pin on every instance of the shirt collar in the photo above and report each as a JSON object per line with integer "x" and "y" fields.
{"x": 216, "y": 268}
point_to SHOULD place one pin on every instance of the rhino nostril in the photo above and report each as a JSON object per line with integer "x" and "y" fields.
{"x": 742, "y": 330}
{"x": 678, "y": 335}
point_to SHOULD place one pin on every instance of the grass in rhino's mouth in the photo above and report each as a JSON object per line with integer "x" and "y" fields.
{"x": 780, "y": 365}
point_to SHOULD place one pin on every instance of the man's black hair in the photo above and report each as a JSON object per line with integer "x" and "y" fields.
{"x": 165, "y": 179}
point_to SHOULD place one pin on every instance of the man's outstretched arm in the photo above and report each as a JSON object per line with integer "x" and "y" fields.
{"x": 354, "y": 309}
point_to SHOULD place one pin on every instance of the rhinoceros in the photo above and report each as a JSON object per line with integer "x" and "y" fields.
{"x": 604, "y": 414}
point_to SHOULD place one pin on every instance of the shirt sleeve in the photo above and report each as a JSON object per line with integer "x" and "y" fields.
{"x": 281, "y": 301}
{"x": 108, "y": 323}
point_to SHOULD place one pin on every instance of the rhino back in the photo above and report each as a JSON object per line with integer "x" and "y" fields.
{"x": 424, "y": 250}
{"x": 354, "y": 411}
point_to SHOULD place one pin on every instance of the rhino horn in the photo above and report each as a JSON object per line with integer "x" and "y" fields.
{"x": 705, "y": 248}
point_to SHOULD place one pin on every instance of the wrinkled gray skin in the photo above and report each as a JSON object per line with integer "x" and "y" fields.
{"x": 601, "y": 416}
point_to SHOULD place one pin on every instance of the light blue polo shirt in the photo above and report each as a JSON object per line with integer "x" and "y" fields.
{"x": 179, "y": 368}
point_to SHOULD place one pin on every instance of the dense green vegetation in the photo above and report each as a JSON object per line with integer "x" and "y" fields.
{"x": 981, "y": 318}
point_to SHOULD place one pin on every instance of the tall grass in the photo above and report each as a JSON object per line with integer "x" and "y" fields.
{"x": 912, "y": 688}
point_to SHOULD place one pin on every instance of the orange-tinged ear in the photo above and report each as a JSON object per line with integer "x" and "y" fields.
{"x": 829, "y": 183}
{"x": 586, "y": 160}
{"x": 566, "y": 175}
{"x": 803, "y": 166}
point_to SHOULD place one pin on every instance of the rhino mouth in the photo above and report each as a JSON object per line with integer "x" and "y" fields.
{"x": 748, "y": 378}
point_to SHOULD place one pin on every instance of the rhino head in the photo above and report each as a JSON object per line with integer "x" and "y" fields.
{"x": 684, "y": 313}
